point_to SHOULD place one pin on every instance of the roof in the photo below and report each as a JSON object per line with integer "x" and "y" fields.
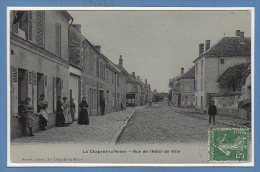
{"x": 125, "y": 73}
{"x": 228, "y": 47}
{"x": 190, "y": 74}
{"x": 110, "y": 64}
{"x": 236, "y": 74}
{"x": 67, "y": 15}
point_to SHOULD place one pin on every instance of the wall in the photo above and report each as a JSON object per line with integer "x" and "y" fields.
{"x": 228, "y": 105}
{"x": 31, "y": 60}
{"x": 212, "y": 69}
{"x": 51, "y": 18}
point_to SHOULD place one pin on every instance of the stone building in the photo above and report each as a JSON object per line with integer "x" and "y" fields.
{"x": 183, "y": 89}
{"x": 112, "y": 88}
{"x": 214, "y": 60}
{"x": 132, "y": 96}
{"x": 187, "y": 89}
{"x": 92, "y": 65}
{"x": 39, "y": 61}
{"x": 141, "y": 91}
{"x": 122, "y": 83}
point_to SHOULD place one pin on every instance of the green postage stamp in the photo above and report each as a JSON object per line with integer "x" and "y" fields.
{"x": 229, "y": 145}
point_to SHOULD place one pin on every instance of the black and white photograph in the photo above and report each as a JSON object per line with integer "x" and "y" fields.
{"x": 130, "y": 86}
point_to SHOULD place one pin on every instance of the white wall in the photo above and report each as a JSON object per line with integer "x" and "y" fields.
{"x": 212, "y": 70}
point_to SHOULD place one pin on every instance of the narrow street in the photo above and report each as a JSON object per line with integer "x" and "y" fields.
{"x": 161, "y": 123}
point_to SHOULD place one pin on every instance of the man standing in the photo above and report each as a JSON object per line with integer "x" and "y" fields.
{"x": 103, "y": 105}
{"x": 212, "y": 111}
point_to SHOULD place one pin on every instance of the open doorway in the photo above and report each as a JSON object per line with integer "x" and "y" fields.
{"x": 40, "y": 85}
{"x": 22, "y": 85}
{"x": 101, "y": 96}
{"x": 58, "y": 87}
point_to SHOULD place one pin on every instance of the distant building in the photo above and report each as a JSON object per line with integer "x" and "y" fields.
{"x": 132, "y": 95}
{"x": 187, "y": 89}
{"x": 212, "y": 62}
{"x": 183, "y": 89}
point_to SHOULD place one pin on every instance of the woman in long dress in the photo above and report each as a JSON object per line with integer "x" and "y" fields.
{"x": 28, "y": 115}
{"x": 83, "y": 115}
{"x": 66, "y": 111}
{"x": 60, "y": 121}
{"x": 72, "y": 109}
{"x": 42, "y": 106}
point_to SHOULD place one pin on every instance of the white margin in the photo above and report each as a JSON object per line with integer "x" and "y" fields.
{"x": 249, "y": 164}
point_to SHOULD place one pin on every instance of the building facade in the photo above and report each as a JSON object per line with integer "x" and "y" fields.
{"x": 212, "y": 62}
{"x": 39, "y": 61}
{"x": 187, "y": 89}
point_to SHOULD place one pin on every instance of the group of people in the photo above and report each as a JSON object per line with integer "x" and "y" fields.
{"x": 65, "y": 114}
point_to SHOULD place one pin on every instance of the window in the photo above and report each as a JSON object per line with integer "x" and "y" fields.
{"x": 222, "y": 61}
{"x": 58, "y": 39}
{"x": 201, "y": 70}
{"x": 201, "y": 73}
{"x": 22, "y": 24}
{"x": 201, "y": 102}
{"x": 40, "y": 18}
{"x": 117, "y": 80}
{"x": 112, "y": 78}
{"x": 91, "y": 63}
{"x": 196, "y": 69}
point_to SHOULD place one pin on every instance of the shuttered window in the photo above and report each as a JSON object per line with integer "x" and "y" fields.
{"x": 40, "y": 18}
{"x": 30, "y": 25}
{"x": 58, "y": 39}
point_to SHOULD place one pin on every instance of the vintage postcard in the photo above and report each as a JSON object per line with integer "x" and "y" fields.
{"x": 130, "y": 86}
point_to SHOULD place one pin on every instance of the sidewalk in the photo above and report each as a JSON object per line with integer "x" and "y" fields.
{"x": 102, "y": 129}
{"x": 221, "y": 119}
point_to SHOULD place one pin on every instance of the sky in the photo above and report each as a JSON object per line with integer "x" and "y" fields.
{"x": 157, "y": 44}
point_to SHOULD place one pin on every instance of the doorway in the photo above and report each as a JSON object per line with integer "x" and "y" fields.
{"x": 22, "y": 85}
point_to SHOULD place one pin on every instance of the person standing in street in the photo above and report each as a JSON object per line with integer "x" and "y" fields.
{"x": 72, "y": 109}
{"x": 42, "y": 106}
{"x": 27, "y": 115}
{"x": 83, "y": 115}
{"x": 66, "y": 111}
{"x": 60, "y": 121}
{"x": 103, "y": 106}
{"x": 212, "y": 112}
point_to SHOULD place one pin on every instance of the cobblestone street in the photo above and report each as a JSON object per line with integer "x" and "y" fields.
{"x": 164, "y": 124}
{"x": 100, "y": 130}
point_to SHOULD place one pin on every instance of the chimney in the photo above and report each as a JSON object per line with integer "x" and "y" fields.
{"x": 77, "y": 27}
{"x": 138, "y": 77}
{"x": 242, "y": 34}
{"x": 121, "y": 61}
{"x": 145, "y": 81}
{"x": 133, "y": 73}
{"x": 201, "y": 48}
{"x": 237, "y": 32}
{"x": 207, "y": 45}
{"x": 182, "y": 71}
{"x": 98, "y": 48}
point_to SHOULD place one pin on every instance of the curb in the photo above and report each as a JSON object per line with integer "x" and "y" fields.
{"x": 121, "y": 129}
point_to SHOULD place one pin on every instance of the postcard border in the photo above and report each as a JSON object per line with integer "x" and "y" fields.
{"x": 10, "y": 164}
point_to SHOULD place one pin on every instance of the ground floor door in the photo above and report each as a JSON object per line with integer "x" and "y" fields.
{"x": 22, "y": 85}
{"x": 179, "y": 100}
{"x": 75, "y": 92}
